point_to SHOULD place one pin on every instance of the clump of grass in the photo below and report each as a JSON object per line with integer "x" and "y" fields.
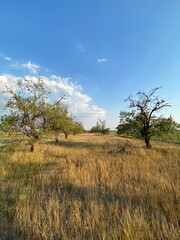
{"x": 80, "y": 191}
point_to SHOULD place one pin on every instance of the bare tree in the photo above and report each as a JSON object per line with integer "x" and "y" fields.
{"x": 147, "y": 105}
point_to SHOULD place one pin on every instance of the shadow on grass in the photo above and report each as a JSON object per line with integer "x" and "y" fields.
{"x": 11, "y": 145}
{"x": 98, "y": 194}
{"x": 103, "y": 197}
{"x": 71, "y": 144}
{"x": 104, "y": 145}
{"x": 68, "y": 193}
{"x": 17, "y": 181}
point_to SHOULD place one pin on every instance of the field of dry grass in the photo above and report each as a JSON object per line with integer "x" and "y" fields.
{"x": 90, "y": 187}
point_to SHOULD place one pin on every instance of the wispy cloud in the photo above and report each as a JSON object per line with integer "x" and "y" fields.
{"x": 15, "y": 65}
{"x": 101, "y": 60}
{"x": 33, "y": 68}
{"x": 7, "y": 58}
{"x": 19, "y": 65}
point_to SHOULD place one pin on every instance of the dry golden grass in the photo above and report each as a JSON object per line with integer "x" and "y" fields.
{"x": 90, "y": 187}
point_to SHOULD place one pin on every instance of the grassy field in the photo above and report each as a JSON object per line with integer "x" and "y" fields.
{"x": 90, "y": 187}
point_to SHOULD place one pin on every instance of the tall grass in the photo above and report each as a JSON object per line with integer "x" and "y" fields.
{"x": 88, "y": 188}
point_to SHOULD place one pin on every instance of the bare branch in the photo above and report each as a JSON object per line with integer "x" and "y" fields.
{"x": 56, "y": 103}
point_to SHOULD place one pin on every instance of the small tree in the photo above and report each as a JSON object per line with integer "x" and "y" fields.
{"x": 77, "y": 128}
{"x": 28, "y": 108}
{"x": 95, "y": 129}
{"x": 68, "y": 127}
{"x": 143, "y": 118}
{"x": 100, "y": 128}
{"x": 57, "y": 119}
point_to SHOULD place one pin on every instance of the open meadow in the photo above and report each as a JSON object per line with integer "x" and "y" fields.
{"x": 90, "y": 187}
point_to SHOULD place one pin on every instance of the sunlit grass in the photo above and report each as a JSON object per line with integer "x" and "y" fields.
{"x": 87, "y": 187}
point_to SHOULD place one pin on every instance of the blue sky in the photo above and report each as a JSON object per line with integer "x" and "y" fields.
{"x": 96, "y": 52}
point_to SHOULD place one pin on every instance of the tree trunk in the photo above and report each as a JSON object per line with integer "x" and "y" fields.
{"x": 66, "y": 135}
{"x": 56, "y": 137}
{"x": 32, "y": 147}
{"x": 148, "y": 142}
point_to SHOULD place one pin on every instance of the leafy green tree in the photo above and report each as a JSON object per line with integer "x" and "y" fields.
{"x": 77, "y": 127}
{"x": 57, "y": 119}
{"x": 100, "y": 128}
{"x": 60, "y": 121}
{"x": 142, "y": 120}
{"x": 95, "y": 129}
{"x": 68, "y": 127}
{"x": 165, "y": 125}
{"x": 28, "y": 109}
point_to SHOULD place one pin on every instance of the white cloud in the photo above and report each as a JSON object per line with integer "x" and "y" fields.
{"x": 79, "y": 104}
{"x": 100, "y": 60}
{"x": 8, "y": 79}
{"x": 33, "y": 68}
